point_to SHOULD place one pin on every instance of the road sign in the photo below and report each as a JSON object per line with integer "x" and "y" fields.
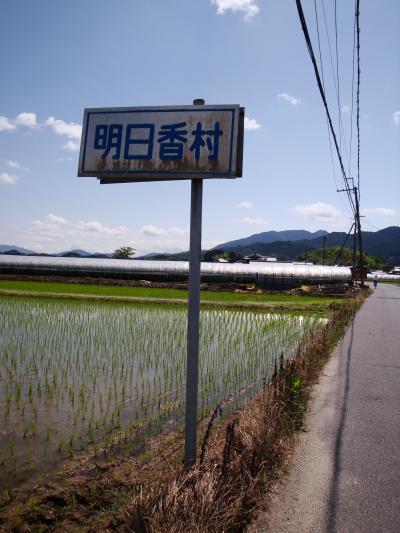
{"x": 168, "y": 143}
{"x": 162, "y": 143}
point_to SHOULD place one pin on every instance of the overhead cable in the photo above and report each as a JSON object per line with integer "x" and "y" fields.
{"x": 335, "y": 74}
{"x": 352, "y": 91}
{"x": 358, "y": 90}
{"x": 322, "y": 93}
{"x": 323, "y": 86}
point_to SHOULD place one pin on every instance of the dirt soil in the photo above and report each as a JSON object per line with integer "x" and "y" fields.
{"x": 88, "y": 489}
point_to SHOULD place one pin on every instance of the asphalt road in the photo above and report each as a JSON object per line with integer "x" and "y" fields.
{"x": 344, "y": 475}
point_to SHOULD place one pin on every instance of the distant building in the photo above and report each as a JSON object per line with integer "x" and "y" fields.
{"x": 258, "y": 258}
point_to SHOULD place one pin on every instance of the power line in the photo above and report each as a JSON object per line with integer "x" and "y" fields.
{"x": 340, "y": 121}
{"x": 373, "y": 225}
{"x": 329, "y": 47}
{"x": 359, "y": 272}
{"x": 343, "y": 245}
{"x": 322, "y": 93}
{"x": 337, "y": 79}
{"x": 358, "y": 90}
{"x": 352, "y": 90}
{"x": 323, "y": 86}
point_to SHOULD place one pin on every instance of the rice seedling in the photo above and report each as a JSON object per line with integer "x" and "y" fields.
{"x": 76, "y": 373}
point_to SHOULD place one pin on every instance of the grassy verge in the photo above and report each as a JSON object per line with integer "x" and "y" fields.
{"x": 238, "y": 458}
{"x": 242, "y": 456}
{"x": 161, "y": 295}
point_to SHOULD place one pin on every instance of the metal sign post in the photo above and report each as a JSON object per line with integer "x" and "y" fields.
{"x": 192, "y": 370}
{"x": 121, "y": 145}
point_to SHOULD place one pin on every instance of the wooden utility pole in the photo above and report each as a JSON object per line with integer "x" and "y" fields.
{"x": 323, "y": 250}
{"x": 357, "y": 231}
{"x": 358, "y": 225}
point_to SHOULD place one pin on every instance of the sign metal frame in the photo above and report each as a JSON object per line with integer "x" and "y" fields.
{"x": 127, "y": 175}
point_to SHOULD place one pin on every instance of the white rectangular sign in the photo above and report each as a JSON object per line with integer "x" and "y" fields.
{"x": 157, "y": 143}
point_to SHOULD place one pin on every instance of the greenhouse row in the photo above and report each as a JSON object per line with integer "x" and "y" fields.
{"x": 262, "y": 274}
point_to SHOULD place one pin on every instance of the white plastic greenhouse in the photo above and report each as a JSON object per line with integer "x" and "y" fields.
{"x": 262, "y": 274}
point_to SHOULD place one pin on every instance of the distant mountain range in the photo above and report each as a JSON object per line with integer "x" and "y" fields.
{"x": 288, "y": 245}
{"x": 285, "y": 245}
{"x": 268, "y": 237}
{"x": 11, "y": 249}
{"x": 7, "y": 248}
{"x": 384, "y": 244}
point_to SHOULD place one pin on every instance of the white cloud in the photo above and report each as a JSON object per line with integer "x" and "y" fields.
{"x": 15, "y": 165}
{"x": 26, "y": 119}
{"x": 6, "y": 124}
{"x": 101, "y": 230}
{"x": 396, "y": 117}
{"x": 57, "y": 220}
{"x": 318, "y": 211}
{"x": 179, "y": 231}
{"x": 380, "y": 211}
{"x": 257, "y": 221}
{"x": 153, "y": 231}
{"x": 61, "y": 159}
{"x": 55, "y": 233}
{"x": 70, "y": 130}
{"x": 7, "y": 179}
{"x": 71, "y": 146}
{"x": 345, "y": 109}
{"x": 246, "y": 204}
{"x": 251, "y": 124}
{"x": 63, "y": 232}
{"x": 248, "y": 7}
{"x": 289, "y": 99}
{"x": 154, "y": 239}
{"x": 161, "y": 245}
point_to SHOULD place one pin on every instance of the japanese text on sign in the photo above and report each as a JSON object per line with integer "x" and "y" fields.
{"x": 171, "y": 138}
{"x": 162, "y": 143}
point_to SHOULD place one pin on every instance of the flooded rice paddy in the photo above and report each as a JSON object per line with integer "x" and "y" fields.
{"x": 75, "y": 374}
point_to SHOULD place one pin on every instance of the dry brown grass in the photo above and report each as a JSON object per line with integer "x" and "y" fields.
{"x": 240, "y": 456}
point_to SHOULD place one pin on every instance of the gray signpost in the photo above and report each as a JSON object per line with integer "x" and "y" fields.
{"x": 122, "y": 145}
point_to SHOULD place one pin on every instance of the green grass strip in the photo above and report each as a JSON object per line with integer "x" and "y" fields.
{"x": 285, "y": 307}
{"x": 156, "y": 294}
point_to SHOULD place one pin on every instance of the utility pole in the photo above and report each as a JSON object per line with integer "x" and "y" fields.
{"x": 357, "y": 231}
{"x": 360, "y": 248}
{"x": 323, "y": 250}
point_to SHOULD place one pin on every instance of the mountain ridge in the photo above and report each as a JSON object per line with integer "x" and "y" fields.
{"x": 268, "y": 237}
{"x": 384, "y": 244}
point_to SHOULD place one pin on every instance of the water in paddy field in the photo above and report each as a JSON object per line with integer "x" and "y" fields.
{"x": 74, "y": 374}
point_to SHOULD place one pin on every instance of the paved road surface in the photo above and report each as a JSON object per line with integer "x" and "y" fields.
{"x": 345, "y": 472}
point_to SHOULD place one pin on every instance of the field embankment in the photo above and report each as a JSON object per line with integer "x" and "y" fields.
{"x": 113, "y": 293}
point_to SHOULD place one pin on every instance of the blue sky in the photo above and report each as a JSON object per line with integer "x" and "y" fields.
{"x": 57, "y": 58}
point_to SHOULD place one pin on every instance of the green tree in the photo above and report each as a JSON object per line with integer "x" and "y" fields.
{"x": 124, "y": 252}
{"x": 332, "y": 257}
